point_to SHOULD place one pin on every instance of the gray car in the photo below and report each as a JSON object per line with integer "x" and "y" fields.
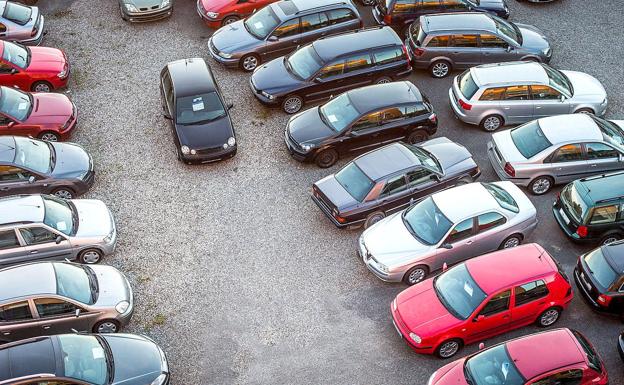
{"x": 557, "y": 149}
{"x": 48, "y": 298}
{"x": 446, "y": 41}
{"x": 278, "y": 29}
{"x": 21, "y": 23}
{"x": 443, "y": 229}
{"x": 145, "y": 10}
{"x": 493, "y": 95}
{"x": 44, "y": 227}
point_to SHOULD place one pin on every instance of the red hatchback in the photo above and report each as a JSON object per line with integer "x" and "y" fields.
{"x": 481, "y": 298}
{"x": 38, "y": 69}
{"x": 217, "y": 13}
{"x": 560, "y": 356}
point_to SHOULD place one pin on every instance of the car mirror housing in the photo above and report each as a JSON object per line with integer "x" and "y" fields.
{"x": 11, "y": 124}
{"x": 13, "y": 71}
{"x": 479, "y": 318}
{"x": 447, "y": 246}
{"x": 58, "y": 240}
{"x": 273, "y": 38}
{"x": 31, "y": 179}
{"x": 77, "y": 313}
{"x": 562, "y": 98}
{"x": 509, "y": 48}
{"x": 318, "y": 80}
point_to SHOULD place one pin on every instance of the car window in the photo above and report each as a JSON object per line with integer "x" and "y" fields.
{"x": 367, "y": 121}
{"x": 168, "y": 88}
{"x": 393, "y": 186}
{"x": 430, "y": 5}
{"x": 439, "y": 41}
{"x": 8, "y": 239}
{"x": 490, "y": 220}
{"x": 332, "y": 69}
{"x": 15, "y": 54}
{"x": 17, "y": 13}
{"x": 498, "y": 303}
{"x": 604, "y": 214}
{"x": 15, "y": 312}
{"x": 313, "y": 22}
{"x": 12, "y": 174}
{"x": 3, "y": 27}
{"x": 392, "y": 114}
{"x": 467, "y": 85}
{"x": 353, "y": 179}
{"x": 408, "y": 6}
{"x": 453, "y": 5}
{"x": 567, "y": 377}
{"x": 495, "y": 93}
{"x": 50, "y": 307}
{"x": 592, "y": 356}
{"x": 358, "y": 62}
{"x": 503, "y": 198}
{"x": 541, "y": 92}
{"x": 600, "y": 151}
{"x": 339, "y": 112}
{"x": 341, "y": 15}
{"x": 530, "y": 292}
{"x": 287, "y": 29}
{"x": 568, "y": 153}
{"x": 468, "y": 41}
{"x": 493, "y": 41}
{"x": 529, "y": 139}
{"x": 415, "y": 110}
{"x": 417, "y": 177}
{"x": 461, "y": 231}
{"x": 388, "y": 55}
{"x": 517, "y": 93}
{"x": 37, "y": 235}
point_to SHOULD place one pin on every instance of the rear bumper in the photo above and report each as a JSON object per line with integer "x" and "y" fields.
{"x": 327, "y": 213}
{"x": 502, "y": 175}
{"x": 573, "y": 236}
{"x": 459, "y": 114}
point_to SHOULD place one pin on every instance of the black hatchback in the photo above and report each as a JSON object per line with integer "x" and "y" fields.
{"x": 330, "y": 66}
{"x": 193, "y": 102}
{"x": 360, "y": 120}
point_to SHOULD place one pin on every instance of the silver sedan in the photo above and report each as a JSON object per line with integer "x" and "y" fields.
{"x": 21, "y": 23}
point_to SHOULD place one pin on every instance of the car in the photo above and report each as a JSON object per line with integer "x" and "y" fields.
{"x": 446, "y": 41}
{"x": 44, "y": 227}
{"x": 558, "y": 149}
{"x": 330, "y": 65}
{"x": 481, "y": 298}
{"x": 21, "y": 23}
{"x": 443, "y": 229}
{"x": 38, "y": 69}
{"x": 278, "y": 29}
{"x": 220, "y": 13}
{"x": 401, "y": 13}
{"x": 358, "y": 120}
{"x": 620, "y": 346}
{"x": 47, "y": 116}
{"x": 33, "y": 166}
{"x": 84, "y": 359}
{"x": 145, "y": 10}
{"x": 494, "y": 95}
{"x": 388, "y": 179}
{"x": 591, "y": 210}
{"x": 44, "y": 298}
{"x": 194, "y": 104}
{"x": 560, "y": 356}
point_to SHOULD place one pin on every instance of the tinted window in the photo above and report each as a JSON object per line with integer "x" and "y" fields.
{"x": 600, "y": 151}
{"x": 417, "y": 177}
{"x": 539, "y": 92}
{"x": 503, "y": 198}
{"x": 407, "y": 6}
{"x": 568, "y": 377}
{"x": 498, "y": 303}
{"x": 493, "y": 94}
{"x": 415, "y": 110}
{"x": 490, "y": 220}
{"x": 15, "y": 312}
{"x": 368, "y": 121}
{"x": 37, "y": 235}
{"x": 430, "y": 5}
{"x": 199, "y": 108}
{"x": 392, "y": 114}
{"x": 394, "y": 185}
{"x": 439, "y": 41}
{"x": 600, "y": 269}
{"x": 491, "y": 41}
{"x": 352, "y": 179}
{"x": 17, "y": 13}
{"x": 454, "y": 4}
{"x": 461, "y": 231}
{"x": 604, "y": 214}
{"x": 304, "y": 62}
{"x": 530, "y": 292}
{"x": 574, "y": 202}
{"x": 288, "y": 28}
{"x": 388, "y": 55}
{"x": 338, "y": 113}
{"x": 469, "y": 41}
{"x": 492, "y": 366}
{"x": 530, "y": 139}
{"x": 467, "y": 86}
{"x": 11, "y": 174}
{"x": 50, "y": 307}
{"x": 458, "y": 291}
{"x": 517, "y": 93}
{"x": 340, "y": 15}
{"x": 8, "y": 240}
{"x": 568, "y": 153}
{"x": 358, "y": 62}
{"x": 332, "y": 69}
{"x": 313, "y": 22}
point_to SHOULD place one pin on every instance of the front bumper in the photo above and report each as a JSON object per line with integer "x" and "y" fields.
{"x": 293, "y": 151}
{"x": 66, "y": 133}
{"x": 371, "y": 264}
{"x": 145, "y": 16}
{"x": 210, "y": 22}
{"x": 398, "y": 324}
{"x": 263, "y": 99}
{"x": 211, "y": 157}
{"x": 229, "y": 63}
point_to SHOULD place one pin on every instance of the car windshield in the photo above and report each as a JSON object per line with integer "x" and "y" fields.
{"x": 16, "y": 54}
{"x": 611, "y": 132}
{"x": 15, "y": 104}
{"x": 508, "y": 29}
{"x": 492, "y": 367}
{"x": 425, "y": 158}
{"x": 467, "y": 86}
{"x": 352, "y": 179}
{"x": 33, "y": 154}
{"x": 529, "y": 139}
{"x": 458, "y": 291}
{"x": 600, "y": 269}
{"x": 338, "y": 113}
{"x": 17, "y": 13}
{"x": 262, "y": 23}
{"x": 574, "y": 203}
{"x": 559, "y": 81}
{"x": 198, "y": 109}
{"x": 504, "y": 199}
{"x": 59, "y": 214}
{"x": 75, "y": 282}
{"x": 84, "y": 358}
{"x": 304, "y": 63}
{"x": 426, "y": 222}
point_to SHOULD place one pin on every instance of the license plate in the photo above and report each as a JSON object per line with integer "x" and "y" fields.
{"x": 397, "y": 329}
{"x": 564, "y": 216}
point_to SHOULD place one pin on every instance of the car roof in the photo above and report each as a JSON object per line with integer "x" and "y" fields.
{"x": 26, "y": 358}
{"x": 27, "y": 280}
{"x": 453, "y": 205}
{"x": 337, "y": 45}
{"x": 614, "y": 253}
{"x": 557, "y": 348}
{"x": 504, "y": 268}
{"x": 369, "y": 98}
{"x": 458, "y": 21}
{"x": 601, "y": 188}
{"x": 7, "y": 149}
{"x": 291, "y": 7}
{"x": 191, "y": 76}
{"x": 509, "y": 72}
{"x": 21, "y": 208}
{"x": 386, "y": 160}
{"x": 570, "y": 128}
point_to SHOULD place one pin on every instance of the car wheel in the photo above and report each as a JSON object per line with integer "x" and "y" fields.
{"x": 449, "y": 348}
{"x": 584, "y": 111}
{"x": 249, "y": 62}
{"x": 511, "y": 241}
{"x": 90, "y": 256}
{"x": 383, "y": 80}
{"x": 373, "y": 218}
{"x": 416, "y": 274}
{"x": 42, "y": 87}
{"x": 292, "y": 104}
{"x": 440, "y": 69}
{"x": 230, "y": 20}
{"x": 610, "y": 238}
{"x": 107, "y": 326}
{"x": 492, "y": 123}
{"x": 417, "y": 137}
{"x": 549, "y": 317}
{"x": 49, "y": 136}
{"x": 326, "y": 158}
{"x": 541, "y": 185}
{"x": 64, "y": 193}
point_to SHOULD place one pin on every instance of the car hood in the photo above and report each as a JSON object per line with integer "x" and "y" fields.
{"x": 113, "y": 287}
{"x": 216, "y": 5}
{"x": 273, "y": 76}
{"x": 144, "y": 3}
{"x": 50, "y": 108}
{"x": 337, "y": 194}
{"x": 207, "y": 135}
{"x": 307, "y": 127}
{"x": 45, "y": 59}
{"x": 447, "y": 152}
{"x": 450, "y": 374}
{"x": 532, "y": 37}
{"x": 234, "y": 37}
{"x": 72, "y": 161}
{"x": 491, "y": 5}
{"x": 137, "y": 360}
{"x": 586, "y": 85}
{"x": 94, "y": 218}
{"x": 507, "y": 147}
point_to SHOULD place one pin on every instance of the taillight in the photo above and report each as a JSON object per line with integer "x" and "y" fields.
{"x": 338, "y": 217}
{"x": 465, "y": 105}
{"x": 604, "y": 300}
{"x": 388, "y": 19}
{"x": 419, "y": 52}
{"x": 581, "y": 231}
{"x": 509, "y": 169}
{"x": 433, "y": 118}
{"x": 34, "y": 31}
{"x": 569, "y": 292}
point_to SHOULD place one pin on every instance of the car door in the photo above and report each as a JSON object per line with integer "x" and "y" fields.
{"x": 359, "y": 70}
{"x": 395, "y": 194}
{"x": 41, "y": 243}
{"x": 11, "y": 250}
{"x": 284, "y": 39}
{"x": 464, "y": 50}
{"x": 459, "y": 243}
{"x": 393, "y": 124}
{"x": 364, "y": 133}
{"x": 10, "y": 127}
{"x": 16, "y": 180}
{"x": 341, "y": 20}
{"x": 547, "y": 101}
{"x": 330, "y": 80}
{"x": 17, "y": 322}
{"x": 529, "y": 302}
{"x": 388, "y": 60}
{"x": 314, "y": 26}
{"x": 494, "y": 49}
{"x": 568, "y": 163}
{"x": 516, "y": 104}
{"x": 493, "y": 318}
{"x": 57, "y": 316}
{"x": 601, "y": 157}
{"x": 490, "y": 232}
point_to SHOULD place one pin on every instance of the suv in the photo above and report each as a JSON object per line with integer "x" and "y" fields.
{"x": 592, "y": 209}
{"x": 460, "y": 40}
{"x": 329, "y": 65}
{"x": 279, "y": 29}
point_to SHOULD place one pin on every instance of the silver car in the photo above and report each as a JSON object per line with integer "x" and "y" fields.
{"x": 444, "y": 229}
{"x": 557, "y": 149}
{"x": 493, "y": 95}
{"x": 47, "y": 298}
{"x": 21, "y": 23}
{"x": 44, "y": 227}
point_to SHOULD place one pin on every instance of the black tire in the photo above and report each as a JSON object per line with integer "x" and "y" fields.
{"x": 229, "y": 20}
{"x": 548, "y": 317}
{"x": 609, "y": 238}
{"x": 584, "y": 111}
{"x": 326, "y": 158}
{"x": 111, "y": 322}
{"x": 49, "y": 136}
{"x": 90, "y": 256}
{"x": 416, "y": 274}
{"x": 440, "y": 352}
{"x": 64, "y": 193}
{"x": 440, "y": 69}
{"x": 373, "y": 218}
{"x": 417, "y": 136}
{"x": 249, "y": 63}
{"x": 541, "y": 185}
{"x": 292, "y": 104}
{"x": 41, "y": 86}
{"x": 492, "y": 123}
{"x": 511, "y": 241}
{"x": 383, "y": 80}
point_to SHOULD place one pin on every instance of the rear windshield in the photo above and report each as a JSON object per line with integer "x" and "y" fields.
{"x": 530, "y": 139}
{"x": 352, "y": 179}
{"x": 592, "y": 356}
{"x": 17, "y": 13}
{"x": 418, "y": 34}
{"x": 504, "y": 199}
{"x": 574, "y": 202}
{"x": 600, "y": 269}
{"x": 467, "y": 85}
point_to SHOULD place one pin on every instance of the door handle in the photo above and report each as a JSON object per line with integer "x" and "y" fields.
{"x": 46, "y": 327}
{"x": 6, "y": 333}
{"x": 469, "y": 242}
{"x": 34, "y": 251}
{"x": 505, "y": 316}
{"x": 594, "y": 165}
{"x": 537, "y": 107}
{"x": 4, "y": 188}
{"x": 542, "y": 303}
{"x": 507, "y": 108}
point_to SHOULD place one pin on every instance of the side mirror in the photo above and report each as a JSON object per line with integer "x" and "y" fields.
{"x": 447, "y": 246}
{"x": 318, "y": 80}
{"x": 509, "y": 48}
{"x": 77, "y": 313}
{"x": 435, "y": 177}
{"x": 479, "y": 318}
{"x": 331, "y": 97}
{"x": 167, "y": 116}
{"x": 31, "y": 179}
{"x": 354, "y": 134}
{"x": 621, "y": 158}
{"x": 273, "y": 38}
{"x": 13, "y": 71}
{"x": 230, "y": 106}
{"x": 481, "y": 346}
{"x": 562, "y": 98}
{"x": 11, "y": 124}
{"x": 444, "y": 267}
{"x": 58, "y": 240}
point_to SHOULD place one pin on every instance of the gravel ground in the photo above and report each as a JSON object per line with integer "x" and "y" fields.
{"x": 236, "y": 273}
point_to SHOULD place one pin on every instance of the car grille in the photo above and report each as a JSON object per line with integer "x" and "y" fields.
{"x": 213, "y": 48}
{"x": 211, "y": 150}
{"x": 149, "y": 8}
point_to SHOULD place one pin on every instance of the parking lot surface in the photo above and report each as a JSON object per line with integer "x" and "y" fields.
{"x": 237, "y": 274}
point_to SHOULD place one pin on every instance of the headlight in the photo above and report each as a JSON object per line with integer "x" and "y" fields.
{"x": 225, "y": 55}
{"x": 62, "y": 74}
{"x": 307, "y": 147}
{"x": 165, "y": 3}
{"x": 122, "y": 307}
{"x": 267, "y": 95}
{"x": 415, "y": 338}
{"x": 160, "y": 380}
{"x": 212, "y": 15}
{"x": 185, "y": 150}
{"x": 131, "y": 8}
{"x": 231, "y": 141}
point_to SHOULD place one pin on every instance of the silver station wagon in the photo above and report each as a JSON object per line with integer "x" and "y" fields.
{"x": 557, "y": 149}
{"x": 21, "y": 23}
{"x": 493, "y": 95}
{"x": 446, "y": 229}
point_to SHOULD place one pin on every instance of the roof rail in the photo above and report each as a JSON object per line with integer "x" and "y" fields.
{"x": 353, "y": 31}
{"x": 610, "y": 199}
{"x": 594, "y": 177}
{"x": 320, "y": 7}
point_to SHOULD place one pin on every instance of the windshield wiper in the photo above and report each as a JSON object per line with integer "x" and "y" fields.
{"x": 52, "y": 156}
{"x": 93, "y": 283}
{"x": 468, "y": 375}
{"x": 110, "y": 362}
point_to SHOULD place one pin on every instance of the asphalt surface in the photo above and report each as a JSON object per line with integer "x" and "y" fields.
{"x": 236, "y": 272}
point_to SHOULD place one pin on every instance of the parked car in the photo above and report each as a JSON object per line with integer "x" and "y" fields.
{"x": 358, "y": 120}
{"x": 447, "y": 41}
{"x": 331, "y": 65}
{"x": 39, "y": 69}
{"x": 47, "y": 298}
{"x": 557, "y": 149}
{"x": 85, "y": 359}
{"x": 493, "y": 95}
{"x": 280, "y": 28}
{"x": 47, "y": 116}
{"x": 443, "y": 229}
{"x": 219, "y": 13}
{"x": 620, "y": 346}
{"x": 193, "y": 102}
{"x": 399, "y": 14}
{"x": 591, "y": 210}
{"x": 560, "y": 356}
{"x": 33, "y": 166}
{"x": 386, "y": 180}
{"x": 44, "y": 227}
{"x": 145, "y": 10}
{"x": 21, "y": 23}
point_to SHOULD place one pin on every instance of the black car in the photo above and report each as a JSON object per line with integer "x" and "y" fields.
{"x": 399, "y": 14}
{"x": 360, "y": 120}
{"x": 388, "y": 179}
{"x": 331, "y": 65}
{"x": 83, "y": 359}
{"x": 193, "y": 102}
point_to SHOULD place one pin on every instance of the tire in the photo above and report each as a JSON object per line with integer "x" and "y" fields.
{"x": 584, "y": 111}
{"x": 229, "y": 20}
{"x": 549, "y": 317}
{"x": 440, "y": 69}
{"x": 41, "y": 86}
{"x": 383, "y": 80}
{"x": 90, "y": 256}
{"x": 443, "y": 351}
{"x": 416, "y": 274}
{"x": 64, "y": 193}
{"x": 541, "y": 185}
{"x": 292, "y": 104}
{"x": 49, "y": 136}
{"x": 609, "y": 238}
{"x": 107, "y": 326}
{"x": 511, "y": 241}
{"x": 373, "y": 218}
{"x": 249, "y": 62}
{"x": 326, "y": 158}
{"x": 492, "y": 123}
{"x": 417, "y": 137}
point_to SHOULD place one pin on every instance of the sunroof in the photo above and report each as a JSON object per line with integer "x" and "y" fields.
{"x": 288, "y": 7}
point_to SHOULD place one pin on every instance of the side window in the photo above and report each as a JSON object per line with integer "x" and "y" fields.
{"x": 288, "y": 28}
{"x": 8, "y": 240}
{"x": 454, "y": 5}
{"x": 4, "y": 67}
{"x": 568, "y": 377}
{"x": 15, "y": 312}
{"x": 367, "y": 121}
{"x": 332, "y": 69}
{"x": 388, "y": 55}
{"x": 439, "y": 41}
{"x": 498, "y": 303}
{"x": 358, "y": 62}
{"x": 313, "y": 22}
{"x": 530, "y": 292}
{"x": 168, "y": 88}
{"x": 393, "y": 186}
{"x": 409, "y": 6}
{"x": 540, "y": 92}
{"x": 341, "y": 15}
{"x": 604, "y": 214}
{"x": 465, "y": 41}
{"x": 50, "y": 307}
{"x": 4, "y": 120}
{"x": 600, "y": 151}
{"x": 417, "y": 177}
{"x": 461, "y": 231}
{"x": 430, "y": 5}
{"x": 37, "y": 235}
{"x": 490, "y": 220}
{"x": 12, "y": 174}
{"x": 517, "y": 93}
{"x": 490, "y": 94}
{"x": 415, "y": 110}
{"x": 392, "y": 114}
{"x": 568, "y": 153}
{"x": 492, "y": 41}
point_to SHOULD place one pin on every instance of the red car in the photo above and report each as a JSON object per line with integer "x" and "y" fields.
{"x": 46, "y": 116}
{"x": 39, "y": 69}
{"x": 560, "y": 356}
{"x": 481, "y": 298}
{"x": 217, "y": 13}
